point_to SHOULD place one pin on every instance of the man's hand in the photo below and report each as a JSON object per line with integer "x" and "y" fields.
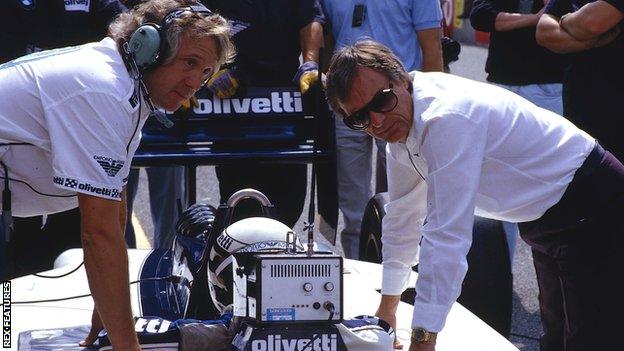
{"x": 306, "y": 76}
{"x": 422, "y": 346}
{"x": 96, "y": 328}
{"x": 387, "y": 311}
{"x": 106, "y": 264}
{"x": 592, "y": 21}
{"x": 223, "y": 84}
{"x": 609, "y": 36}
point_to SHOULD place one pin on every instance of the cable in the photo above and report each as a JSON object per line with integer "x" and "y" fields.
{"x": 9, "y": 144}
{"x": 309, "y": 344}
{"x": 414, "y": 164}
{"x": 170, "y": 277}
{"x": 59, "y": 276}
{"x": 6, "y": 261}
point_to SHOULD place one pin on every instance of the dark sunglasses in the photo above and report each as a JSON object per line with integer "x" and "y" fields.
{"x": 385, "y": 100}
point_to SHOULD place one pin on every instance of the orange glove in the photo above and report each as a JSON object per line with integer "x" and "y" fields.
{"x": 189, "y": 104}
{"x": 306, "y": 76}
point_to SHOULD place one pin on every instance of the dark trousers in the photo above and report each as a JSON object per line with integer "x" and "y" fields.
{"x": 578, "y": 253}
{"x": 284, "y": 185}
{"x": 34, "y": 247}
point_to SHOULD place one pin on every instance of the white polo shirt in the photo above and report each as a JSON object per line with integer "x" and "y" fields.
{"x": 69, "y": 123}
{"x": 473, "y": 149}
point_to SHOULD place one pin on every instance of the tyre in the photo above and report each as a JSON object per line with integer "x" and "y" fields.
{"x": 487, "y": 288}
{"x": 370, "y": 234}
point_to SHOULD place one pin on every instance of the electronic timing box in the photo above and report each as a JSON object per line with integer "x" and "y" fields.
{"x": 287, "y": 288}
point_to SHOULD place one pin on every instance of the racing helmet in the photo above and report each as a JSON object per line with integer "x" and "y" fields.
{"x": 253, "y": 234}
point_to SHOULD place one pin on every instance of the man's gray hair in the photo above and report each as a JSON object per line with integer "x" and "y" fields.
{"x": 344, "y": 63}
{"x": 194, "y": 25}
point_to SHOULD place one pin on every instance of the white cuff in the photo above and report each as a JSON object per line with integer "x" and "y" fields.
{"x": 430, "y": 317}
{"x": 394, "y": 280}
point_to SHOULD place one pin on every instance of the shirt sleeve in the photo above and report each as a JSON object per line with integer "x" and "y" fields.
{"x": 483, "y": 15}
{"x": 89, "y": 136}
{"x": 426, "y": 14}
{"x": 558, "y": 8}
{"x": 454, "y": 150}
{"x": 310, "y": 11}
{"x": 405, "y": 213}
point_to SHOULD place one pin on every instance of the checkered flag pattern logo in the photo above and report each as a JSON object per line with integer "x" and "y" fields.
{"x": 72, "y": 183}
{"x": 110, "y": 167}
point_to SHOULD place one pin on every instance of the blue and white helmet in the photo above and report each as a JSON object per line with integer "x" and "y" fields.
{"x": 253, "y": 234}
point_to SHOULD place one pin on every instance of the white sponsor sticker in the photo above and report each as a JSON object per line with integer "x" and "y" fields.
{"x": 77, "y": 5}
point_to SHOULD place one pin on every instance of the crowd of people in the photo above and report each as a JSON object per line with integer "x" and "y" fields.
{"x": 538, "y": 147}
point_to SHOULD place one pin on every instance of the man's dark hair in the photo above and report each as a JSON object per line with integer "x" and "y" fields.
{"x": 344, "y": 63}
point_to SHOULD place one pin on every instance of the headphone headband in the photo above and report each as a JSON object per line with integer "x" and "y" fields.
{"x": 148, "y": 43}
{"x": 175, "y": 13}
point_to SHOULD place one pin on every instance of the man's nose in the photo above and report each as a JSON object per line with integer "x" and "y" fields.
{"x": 195, "y": 80}
{"x": 376, "y": 119}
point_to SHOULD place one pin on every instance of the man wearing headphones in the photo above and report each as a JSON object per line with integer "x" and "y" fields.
{"x": 32, "y": 26}
{"x": 69, "y": 127}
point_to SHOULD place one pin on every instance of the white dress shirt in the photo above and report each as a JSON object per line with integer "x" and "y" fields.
{"x": 473, "y": 149}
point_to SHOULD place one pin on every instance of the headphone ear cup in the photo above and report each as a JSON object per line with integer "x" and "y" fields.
{"x": 145, "y": 44}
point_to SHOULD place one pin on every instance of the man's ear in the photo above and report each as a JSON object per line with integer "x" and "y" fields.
{"x": 409, "y": 86}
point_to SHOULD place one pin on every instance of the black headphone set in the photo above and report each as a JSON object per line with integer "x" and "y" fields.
{"x": 146, "y": 48}
{"x": 148, "y": 44}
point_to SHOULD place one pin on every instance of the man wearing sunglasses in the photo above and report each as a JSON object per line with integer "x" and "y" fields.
{"x": 459, "y": 148}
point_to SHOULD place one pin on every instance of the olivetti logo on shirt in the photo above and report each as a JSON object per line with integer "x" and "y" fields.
{"x": 86, "y": 187}
{"x": 109, "y": 165}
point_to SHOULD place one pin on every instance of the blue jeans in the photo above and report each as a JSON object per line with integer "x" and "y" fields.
{"x": 354, "y": 161}
{"x": 166, "y": 190}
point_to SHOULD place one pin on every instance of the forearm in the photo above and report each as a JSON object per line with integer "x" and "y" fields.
{"x": 311, "y": 39}
{"x": 429, "y": 41}
{"x": 432, "y": 61}
{"x": 591, "y": 21}
{"x": 550, "y": 35}
{"x": 106, "y": 263}
{"x": 123, "y": 212}
{"x": 506, "y": 21}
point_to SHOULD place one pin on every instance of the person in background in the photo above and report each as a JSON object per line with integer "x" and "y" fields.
{"x": 167, "y": 197}
{"x": 412, "y": 30}
{"x": 589, "y": 33}
{"x": 32, "y": 26}
{"x": 516, "y": 62}
{"x": 269, "y": 38}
